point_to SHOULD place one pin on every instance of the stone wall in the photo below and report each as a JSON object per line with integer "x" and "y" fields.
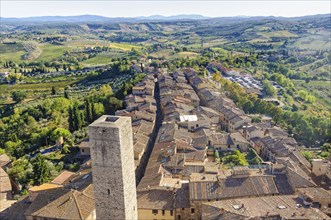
{"x": 113, "y": 168}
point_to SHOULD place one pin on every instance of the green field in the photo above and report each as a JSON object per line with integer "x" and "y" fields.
{"x": 98, "y": 60}
{"x": 51, "y": 52}
{"x": 312, "y": 43}
{"x": 37, "y": 86}
{"x": 12, "y": 52}
{"x": 123, "y": 46}
{"x": 284, "y": 33}
{"x": 185, "y": 55}
{"x": 87, "y": 43}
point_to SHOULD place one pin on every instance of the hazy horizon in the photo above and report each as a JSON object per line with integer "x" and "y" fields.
{"x": 130, "y": 9}
{"x": 161, "y": 15}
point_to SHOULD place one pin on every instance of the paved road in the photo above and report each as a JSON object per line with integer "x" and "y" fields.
{"x": 45, "y": 151}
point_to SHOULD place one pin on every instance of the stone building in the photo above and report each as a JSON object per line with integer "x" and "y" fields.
{"x": 113, "y": 168}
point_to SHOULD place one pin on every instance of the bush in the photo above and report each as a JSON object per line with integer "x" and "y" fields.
{"x": 74, "y": 167}
{"x": 308, "y": 155}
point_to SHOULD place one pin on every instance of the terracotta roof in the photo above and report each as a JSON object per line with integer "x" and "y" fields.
{"x": 221, "y": 138}
{"x": 233, "y": 187}
{"x": 63, "y": 177}
{"x": 166, "y": 133}
{"x": 182, "y": 197}
{"x": 198, "y": 155}
{"x": 5, "y": 185}
{"x": 316, "y": 194}
{"x": 156, "y": 199}
{"x": 4, "y": 160}
{"x": 270, "y": 207}
{"x": 154, "y": 170}
{"x": 63, "y": 203}
{"x": 298, "y": 179}
{"x": 200, "y": 142}
{"x": 16, "y": 210}
{"x": 184, "y": 146}
{"x": 283, "y": 184}
{"x": 238, "y": 137}
{"x": 274, "y": 132}
{"x": 45, "y": 186}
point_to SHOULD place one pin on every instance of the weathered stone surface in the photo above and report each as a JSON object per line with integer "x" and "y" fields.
{"x": 113, "y": 168}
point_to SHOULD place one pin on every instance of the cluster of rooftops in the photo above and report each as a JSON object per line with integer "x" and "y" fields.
{"x": 181, "y": 179}
{"x": 180, "y": 176}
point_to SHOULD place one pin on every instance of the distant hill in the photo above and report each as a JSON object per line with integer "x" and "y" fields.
{"x": 157, "y": 18}
{"x": 97, "y": 18}
{"x": 174, "y": 17}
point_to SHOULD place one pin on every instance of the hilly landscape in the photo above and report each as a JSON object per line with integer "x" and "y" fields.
{"x": 60, "y": 73}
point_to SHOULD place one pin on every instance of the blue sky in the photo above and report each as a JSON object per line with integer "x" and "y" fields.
{"x": 13, "y": 8}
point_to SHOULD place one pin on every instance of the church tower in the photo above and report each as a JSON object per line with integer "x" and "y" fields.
{"x": 113, "y": 168}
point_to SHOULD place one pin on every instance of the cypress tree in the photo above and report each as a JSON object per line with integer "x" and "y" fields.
{"x": 89, "y": 116}
{"x": 71, "y": 120}
{"x": 53, "y": 90}
{"x": 77, "y": 118}
{"x": 93, "y": 112}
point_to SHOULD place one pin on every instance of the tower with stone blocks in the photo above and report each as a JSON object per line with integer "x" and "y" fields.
{"x": 113, "y": 168}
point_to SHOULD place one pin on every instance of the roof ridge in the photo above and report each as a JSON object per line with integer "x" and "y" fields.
{"x": 75, "y": 199}
{"x": 50, "y": 200}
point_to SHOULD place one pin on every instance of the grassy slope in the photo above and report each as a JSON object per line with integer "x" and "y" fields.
{"x": 98, "y": 60}
{"x": 320, "y": 89}
{"x": 12, "y": 52}
{"x": 51, "y": 52}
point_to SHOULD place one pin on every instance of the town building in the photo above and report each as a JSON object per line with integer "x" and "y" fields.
{"x": 113, "y": 167}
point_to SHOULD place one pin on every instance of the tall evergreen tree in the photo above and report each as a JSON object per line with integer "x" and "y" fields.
{"x": 71, "y": 120}
{"x": 53, "y": 90}
{"x": 88, "y": 111}
{"x": 94, "y": 115}
{"x": 77, "y": 118}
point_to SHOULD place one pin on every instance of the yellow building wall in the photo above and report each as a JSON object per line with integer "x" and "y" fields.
{"x": 146, "y": 214}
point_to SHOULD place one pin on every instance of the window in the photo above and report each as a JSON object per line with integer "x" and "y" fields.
{"x": 197, "y": 125}
{"x": 192, "y": 210}
{"x": 108, "y": 191}
{"x": 171, "y": 212}
{"x": 154, "y": 211}
{"x": 178, "y": 217}
{"x": 163, "y": 212}
{"x": 83, "y": 150}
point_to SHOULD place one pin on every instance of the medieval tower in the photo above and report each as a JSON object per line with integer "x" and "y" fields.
{"x": 113, "y": 168}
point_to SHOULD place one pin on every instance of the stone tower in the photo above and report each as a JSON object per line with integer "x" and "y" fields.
{"x": 113, "y": 168}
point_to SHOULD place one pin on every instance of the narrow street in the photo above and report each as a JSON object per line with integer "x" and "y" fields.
{"x": 158, "y": 123}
